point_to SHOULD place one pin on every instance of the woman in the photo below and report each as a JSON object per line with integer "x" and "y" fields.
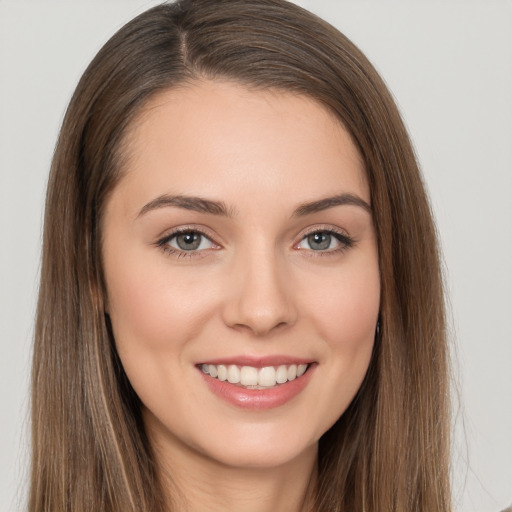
{"x": 241, "y": 305}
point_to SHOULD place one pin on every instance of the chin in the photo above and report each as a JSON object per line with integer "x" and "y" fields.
{"x": 266, "y": 454}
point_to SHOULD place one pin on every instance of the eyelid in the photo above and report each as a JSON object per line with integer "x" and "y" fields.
{"x": 327, "y": 228}
{"x": 346, "y": 241}
{"x": 163, "y": 241}
{"x": 341, "y": 235}
{"x": 187, "y": 228}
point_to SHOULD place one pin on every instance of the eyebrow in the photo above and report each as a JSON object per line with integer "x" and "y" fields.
{"x": 197, "y": 204}
{"x": 330, "y": 202}
{"x": 202, "y": 205}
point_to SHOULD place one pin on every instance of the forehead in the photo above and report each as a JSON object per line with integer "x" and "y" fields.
{"x": 211, "y": 136}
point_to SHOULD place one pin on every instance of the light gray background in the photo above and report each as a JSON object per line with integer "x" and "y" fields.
{"x": 449, "y": 65}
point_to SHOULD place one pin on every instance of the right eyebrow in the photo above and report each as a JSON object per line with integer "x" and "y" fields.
{"x": 197, "y": 204}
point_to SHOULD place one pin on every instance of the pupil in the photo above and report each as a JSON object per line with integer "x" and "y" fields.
{"x": 188, "y": 241}
{"x": 319, "y": 241}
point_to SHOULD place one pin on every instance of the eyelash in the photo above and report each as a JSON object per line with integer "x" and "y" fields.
{"x": 346, "y": 242}
{"x": 163, "y": 243}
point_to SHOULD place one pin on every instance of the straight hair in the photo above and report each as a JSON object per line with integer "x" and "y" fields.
{"x": 389, "y": 451}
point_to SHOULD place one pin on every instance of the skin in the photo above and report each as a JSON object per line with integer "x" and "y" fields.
{"x": 255, "y": 286}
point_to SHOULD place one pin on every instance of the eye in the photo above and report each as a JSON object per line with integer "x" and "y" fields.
{"x": 190, "y": 241}
{"x": 325, "y": 241}
{"x": 186, "y": 241}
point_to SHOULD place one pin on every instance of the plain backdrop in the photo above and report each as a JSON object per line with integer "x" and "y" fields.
{"x": 449, "y": 65}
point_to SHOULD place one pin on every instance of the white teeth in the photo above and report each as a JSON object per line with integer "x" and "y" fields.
{"x": 250, "y": 376}
{"x": 267, "y": 376}
{"x": 222, "y": 372}
{"x": 282, "y": 374}
{"x": 233, "y": 374}
{"x": 301, "y": 369}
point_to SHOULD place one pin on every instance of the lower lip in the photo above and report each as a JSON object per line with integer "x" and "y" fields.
{"x": 258, "y": 399}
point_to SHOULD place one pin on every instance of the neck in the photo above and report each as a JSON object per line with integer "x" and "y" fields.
{"x": 196, "y": 483}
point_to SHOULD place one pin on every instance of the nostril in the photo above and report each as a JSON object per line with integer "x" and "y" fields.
{"x": 261, "y": 327}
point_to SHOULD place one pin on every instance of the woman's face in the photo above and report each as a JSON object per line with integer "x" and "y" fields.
{"x": 239, "y": 251}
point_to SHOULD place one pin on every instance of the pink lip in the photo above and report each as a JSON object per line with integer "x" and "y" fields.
{"x": 257, "y": 362}
{"x": 258, "y": 399}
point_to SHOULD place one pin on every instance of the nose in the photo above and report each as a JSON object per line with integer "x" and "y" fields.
{"x": 260, "y": 300}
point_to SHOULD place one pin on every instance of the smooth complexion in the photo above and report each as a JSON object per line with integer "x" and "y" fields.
{"x": 220, "y": 247}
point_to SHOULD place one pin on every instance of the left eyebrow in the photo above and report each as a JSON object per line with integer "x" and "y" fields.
{"x": 330, "y": 202}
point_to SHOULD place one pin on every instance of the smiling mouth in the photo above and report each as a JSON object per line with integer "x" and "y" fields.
{"x": 250, "y": 377}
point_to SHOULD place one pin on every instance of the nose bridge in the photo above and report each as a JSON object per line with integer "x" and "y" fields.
{"x": 261, "y": 298}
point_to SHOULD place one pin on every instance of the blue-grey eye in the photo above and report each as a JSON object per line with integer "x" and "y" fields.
{"x": 190, "y": 241}
{"x": 322, "y": 241}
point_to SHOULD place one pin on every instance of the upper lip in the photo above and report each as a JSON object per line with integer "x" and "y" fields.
{"x": 257, "y": 362}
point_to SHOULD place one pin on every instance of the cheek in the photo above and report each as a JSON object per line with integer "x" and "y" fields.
{"x": 346, "y": 312}
{"x": 345, "y": 318}
{"x": 156, "y": 316}
{"x": 151, "y": 309}
{"x": 149, "y": 306}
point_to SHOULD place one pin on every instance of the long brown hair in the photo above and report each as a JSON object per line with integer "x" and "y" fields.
{"x": 390, "y": 450}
